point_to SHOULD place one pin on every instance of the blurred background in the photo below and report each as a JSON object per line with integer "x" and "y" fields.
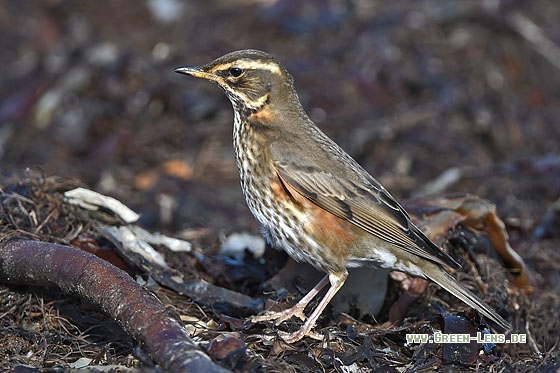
{"x": 431, "y": 97}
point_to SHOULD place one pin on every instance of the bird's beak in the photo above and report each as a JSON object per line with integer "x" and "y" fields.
{"x": 197, "y": 72}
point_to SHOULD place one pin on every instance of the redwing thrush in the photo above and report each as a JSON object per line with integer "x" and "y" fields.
{"x": 310, "y": 197}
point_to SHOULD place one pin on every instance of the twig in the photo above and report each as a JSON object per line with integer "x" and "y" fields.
{"x": 532, "y": 341}
{"x": 138, "y": 312}
{"x": 535, "y": 36}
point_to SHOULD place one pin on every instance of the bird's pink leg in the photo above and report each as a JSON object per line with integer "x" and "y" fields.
{"x": 296, "y": 310}
{"x": 336, "y": 283}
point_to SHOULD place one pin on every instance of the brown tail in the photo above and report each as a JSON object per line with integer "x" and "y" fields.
{"x": 447, "y": 282}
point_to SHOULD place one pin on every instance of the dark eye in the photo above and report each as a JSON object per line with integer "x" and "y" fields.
{"x": 235, "y": 72}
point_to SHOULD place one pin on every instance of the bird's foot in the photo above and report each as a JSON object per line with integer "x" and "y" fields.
{"x": 299, "y": 334}
{"x": 281, "y": 316}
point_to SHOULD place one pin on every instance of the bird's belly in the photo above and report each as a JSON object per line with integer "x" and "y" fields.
{"x": 282, "y": 226}
{"x": 294, "y": 224}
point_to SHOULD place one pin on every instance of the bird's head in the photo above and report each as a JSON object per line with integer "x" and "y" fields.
{"x": 250, "y": 78}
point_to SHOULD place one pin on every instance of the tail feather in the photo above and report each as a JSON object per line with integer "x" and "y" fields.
{"x": 447, "y": 282}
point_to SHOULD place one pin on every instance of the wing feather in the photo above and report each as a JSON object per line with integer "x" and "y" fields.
{"x": 363, "y": 202}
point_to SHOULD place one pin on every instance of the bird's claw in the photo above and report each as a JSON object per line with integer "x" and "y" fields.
{"x": 299, "y": 334}
{"x": 281, "y": 316}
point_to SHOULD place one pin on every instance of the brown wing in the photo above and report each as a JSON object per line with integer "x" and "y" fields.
{"x": 359, "y": 199}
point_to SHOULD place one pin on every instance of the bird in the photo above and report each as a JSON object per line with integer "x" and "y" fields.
{"x": 311, "y": 198}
